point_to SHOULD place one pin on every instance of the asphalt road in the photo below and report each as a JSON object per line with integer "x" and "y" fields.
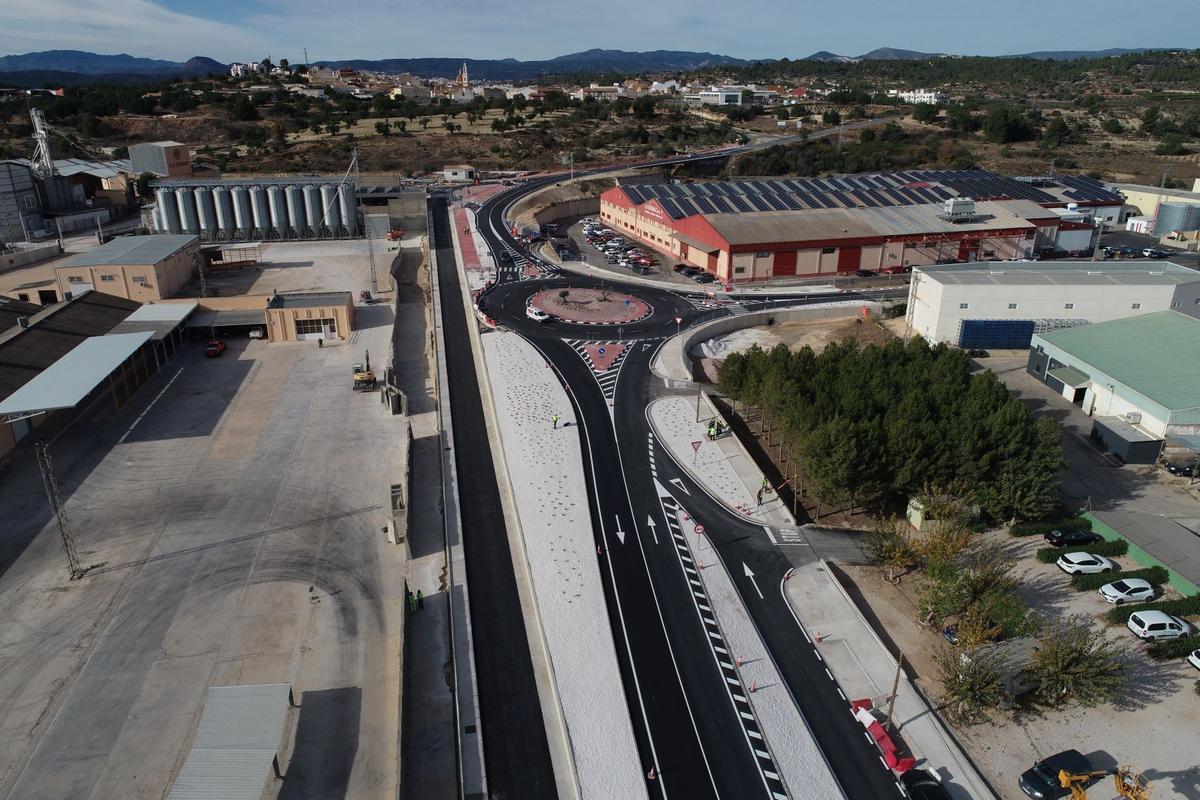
{"x": 686, "y": 721}
{"x": 516, "y": 752}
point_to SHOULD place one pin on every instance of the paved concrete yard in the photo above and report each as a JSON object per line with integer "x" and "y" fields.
{"x": 236, "y": 526}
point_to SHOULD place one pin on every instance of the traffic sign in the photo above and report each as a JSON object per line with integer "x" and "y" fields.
{"x": 696, "y": 445}
{"x": 678, "y": 320}
{"x": 628, "y": 301}
{"x": 600, "y": 351}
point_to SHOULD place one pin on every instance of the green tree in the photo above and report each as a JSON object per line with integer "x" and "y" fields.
{"x": 831, "y": 117}
{"x": 643, "y": 107}
{"x": 1111, "y": 125}
{"x": 926, "y": 112}
{"x": 974, "y": 683}
{"x": 1007, "y": 124}
{"x": 242, "y": 109}
{"x": 1075, "y": 662}
{"x": 143, "y": 184}
{"x": 383, "y": 128}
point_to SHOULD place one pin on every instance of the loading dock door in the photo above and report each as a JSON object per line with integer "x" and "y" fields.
{"x": 849, "y": 259}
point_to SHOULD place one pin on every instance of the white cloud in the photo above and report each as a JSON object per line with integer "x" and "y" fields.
{"x": 138, "y": 27}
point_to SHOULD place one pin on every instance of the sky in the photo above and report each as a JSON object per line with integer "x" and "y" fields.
{"x": 243, "y": 30}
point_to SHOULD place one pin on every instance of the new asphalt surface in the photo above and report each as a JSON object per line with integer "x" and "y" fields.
{"x": 687, "y": 725}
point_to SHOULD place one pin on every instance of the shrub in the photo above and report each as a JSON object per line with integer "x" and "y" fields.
{"x": 1075, "y": 662}
{"x": 1048, "y": 555}
{"x": 1155, "y": 575}
{"x": 1042, "y": 528}
{"x": 974, "y": 685}
{"x": 1188, "y": 606}
{"x": 1174, "y": 648}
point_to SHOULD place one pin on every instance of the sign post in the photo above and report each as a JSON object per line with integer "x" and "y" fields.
{"x": 696, "y": 451}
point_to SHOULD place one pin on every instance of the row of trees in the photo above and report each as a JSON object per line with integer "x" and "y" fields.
{"x": 876, "y": 425}
{"x": 888, "y": 149}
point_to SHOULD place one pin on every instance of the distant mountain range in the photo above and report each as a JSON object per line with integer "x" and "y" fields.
{"x": 894, "y": 54}
{"x": 71, "y": 67}
{"x": 510, "y": 69}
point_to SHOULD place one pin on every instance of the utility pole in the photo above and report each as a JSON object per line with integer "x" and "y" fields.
{"x": 60, "y": 515}
{"x": 358, "y": 204}
{"x": 895, "y": 688}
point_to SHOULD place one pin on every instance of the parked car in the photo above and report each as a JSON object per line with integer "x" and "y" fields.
{"x": 1130, "y": 252}
{"x": 865, "y": 273}
{"x": 682, "y": 268}
{"x": 1180, "y": 469}
{"x": 703, "y": 277}
{"x": 1041, "y": 780}
{"x": 214, "y": 348}
{"x": 1154, "y": 625}
{"x": 1154, "y": 252}
{"x": 536, "y": 314}
{"x": 1058, "y": 538}
{"x": 1127, "y": 590}
{"x": 256, "y": 333}
{"x": 1084, "y": 564}
{"x": 1194, "y": 658}
{"x": 922, "y": 784}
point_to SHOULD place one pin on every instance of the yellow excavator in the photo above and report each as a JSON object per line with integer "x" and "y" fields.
{"x": 1129, "y": 782}
{"x": 364, "y": 378}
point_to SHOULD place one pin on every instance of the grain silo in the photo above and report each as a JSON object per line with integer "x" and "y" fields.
{"x": 206, "y": 212}
{"x": 278, "y": 206}
{"x": 243, "y": 217}
{"x": 347, "y": 205}
{"x": 295, "y": 209}
{"x": 262, "y": 214}
{"x": 226, "y": 220}
{"x": 1176, "y": 217}
{"x": 330, "y": 217}
{"x": 312, "y": 209}
{"x": 187, "y": 210}
{"x": 168, "y": 211}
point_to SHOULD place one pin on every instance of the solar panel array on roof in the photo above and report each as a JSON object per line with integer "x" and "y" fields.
{"x": 874, "y": 190}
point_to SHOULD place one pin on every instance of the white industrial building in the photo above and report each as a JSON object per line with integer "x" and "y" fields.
{"x": 1001, "y": 304}
{"x": 925, "y": 96}
{"x": 1138, "y": 377}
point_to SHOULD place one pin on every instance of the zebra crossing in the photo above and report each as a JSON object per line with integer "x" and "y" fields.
{"x": 727, "y": 663}
{"x": 605, "y": 376}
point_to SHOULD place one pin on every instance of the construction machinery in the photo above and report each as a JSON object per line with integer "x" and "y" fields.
{"x": 364, "y": 378}
{"x": 1130, "y": 783}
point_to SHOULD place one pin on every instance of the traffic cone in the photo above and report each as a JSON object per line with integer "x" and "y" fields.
{"x": 652, "y": 774}
{"x": 818, "y": 636}
{"x": 738, "y": 661}
{"x": 753, "y": 687}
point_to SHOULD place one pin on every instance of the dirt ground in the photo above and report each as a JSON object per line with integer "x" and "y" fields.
{"x": 1152, "y": 727}
{"x": 814, "y": 333}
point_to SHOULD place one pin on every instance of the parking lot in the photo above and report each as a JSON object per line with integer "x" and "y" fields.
{"x": 230, "y": 517}
{"x": 662, "y": 270}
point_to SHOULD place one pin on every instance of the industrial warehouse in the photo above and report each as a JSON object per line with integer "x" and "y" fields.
{"x": 259, "y": 208}
{"x": 758, "y": 230}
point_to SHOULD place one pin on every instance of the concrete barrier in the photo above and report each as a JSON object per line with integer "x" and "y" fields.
{"x": 673, "y": 361}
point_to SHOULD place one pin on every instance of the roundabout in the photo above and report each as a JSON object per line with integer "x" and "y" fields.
{"x": 591, "y": 306}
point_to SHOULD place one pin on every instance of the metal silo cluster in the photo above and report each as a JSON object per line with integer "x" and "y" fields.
{"x": 251, "y": 209}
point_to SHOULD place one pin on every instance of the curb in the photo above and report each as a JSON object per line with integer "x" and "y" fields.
{"x": 565, "y": 772}
{"x": 746, "y": 454}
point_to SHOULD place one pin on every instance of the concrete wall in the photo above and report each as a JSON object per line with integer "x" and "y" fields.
{"x": 584, "y": 206}
{"x": 24, "y": 257}
{"x": 674, "y": 360}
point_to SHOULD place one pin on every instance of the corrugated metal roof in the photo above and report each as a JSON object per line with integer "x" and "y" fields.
{"x": 239, "y": 735}
{"x": 70, "y": 379}
{"x": 149, "y": 249}
{"x": 157, "y": 318}
{"x": 1066, "y": 273}
{"x": 309, "y": 299}
{"x": 1156, "y": 355}
{"x": 1070, "y": 376}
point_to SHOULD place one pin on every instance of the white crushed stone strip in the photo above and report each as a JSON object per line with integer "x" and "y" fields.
{"x": 793, "y": 747}
{"x": 675, "y": 422}
{"x": 546, "y": 466}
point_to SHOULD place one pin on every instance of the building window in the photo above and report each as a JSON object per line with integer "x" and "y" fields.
{"x": 74, "y": 279}
{"x": 739, "y": 270}
{"x": 108, "y": 278}
{"x": 828, "y": 251}
{"x": 23, "y": 296}
{"x": 962, "y": 305}
{"x": 1069, "y": 306}
{"x": 304, "y": 326}
{"x": 138, "y": 278}
{"x": 1012, "y": 306}
{"x": 763, "y": 254}
{"x": 1136, "y": 305}
{"x": 30, "y": 201}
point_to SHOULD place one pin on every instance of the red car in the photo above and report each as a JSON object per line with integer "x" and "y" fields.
{"x": 214, "y": 348}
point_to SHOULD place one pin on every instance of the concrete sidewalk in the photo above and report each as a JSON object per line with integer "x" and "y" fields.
{"x": 864, "y": 668}
{"x": 723, "y": 467}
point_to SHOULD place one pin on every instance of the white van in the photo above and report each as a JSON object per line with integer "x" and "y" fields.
{"x": 1154, "y": 625}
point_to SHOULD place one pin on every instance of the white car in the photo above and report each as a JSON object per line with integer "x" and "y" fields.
{"x": 536, "y": 314}
{"x": 1084, "y": 564}
{"x": 1194, "y": 658}
{"x": 1127, "y": 590}
{"x": 1154, "y": 625}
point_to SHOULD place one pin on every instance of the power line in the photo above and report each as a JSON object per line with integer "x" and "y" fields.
{"x": 50, "y": 482}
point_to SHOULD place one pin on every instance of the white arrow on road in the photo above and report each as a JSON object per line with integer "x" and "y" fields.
{"x": 650, "y": 522}
{"x": 679, "y": 483}
{"x": 750, "y": 575}
{"x": 621, "y": 534}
